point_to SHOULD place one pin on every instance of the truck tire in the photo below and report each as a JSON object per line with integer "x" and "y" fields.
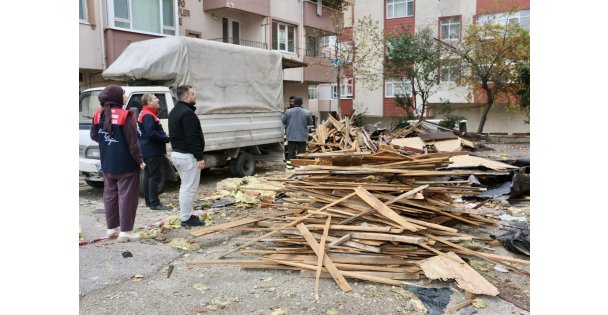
{"x": 244, "y": 165}
{"x": 94, "y": 184}
{"x": 161, "y": 184}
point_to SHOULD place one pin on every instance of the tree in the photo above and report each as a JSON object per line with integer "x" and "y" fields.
{"x": 358, "y": 50}
{"x": 490, "y": 54}
{"x": 415, "y": 58}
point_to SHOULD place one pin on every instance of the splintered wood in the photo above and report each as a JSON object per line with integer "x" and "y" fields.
{"x": 382, "y": 221}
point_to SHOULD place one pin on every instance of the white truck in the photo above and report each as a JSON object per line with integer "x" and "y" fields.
{"x": 239, "y": 103}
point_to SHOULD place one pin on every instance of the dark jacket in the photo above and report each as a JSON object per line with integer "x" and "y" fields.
{"x": 152, "y": 138}
{"x": 119, "y": 151}
{"x": 186, "y": 131}
{"x": 297, "y": 120}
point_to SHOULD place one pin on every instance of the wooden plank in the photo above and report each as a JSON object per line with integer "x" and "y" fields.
{"x": 331, "y": 268}
{"x": 383, "y": 274}
{"x": 344, "y": 238}
{"x": 302, "y": 162}
{"x": 224, "y": 226}
{"x": 385, "y": 210}
{"x": 458, "y": 306}
{"x": 389, "y": 237}
{"x": 404, "y": 195}
{"x": 470, "y": 161}
{"x": 277, "y": 229}
{"x": 467, "y": 278}
{"x": 321, "y": 255}
{"x": 344, "y": 259}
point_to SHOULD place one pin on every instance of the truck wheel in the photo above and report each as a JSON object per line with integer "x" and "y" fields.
{"x": 244, "y": 165}
{"x": 94, "y": 184}
{"x": 161, "y": 184}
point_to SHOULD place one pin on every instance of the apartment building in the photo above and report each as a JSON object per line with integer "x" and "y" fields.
{"x": 299, "y": 29}
{"x": 447, "y": 19}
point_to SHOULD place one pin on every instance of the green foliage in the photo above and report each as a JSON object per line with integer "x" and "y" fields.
{"x": 490, "y": 54}
{"x": 451, "y": 119}
{"x": 416, "y": 59}
{"x": 405, "y": 101}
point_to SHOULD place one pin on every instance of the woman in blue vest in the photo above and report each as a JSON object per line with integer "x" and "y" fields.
{"x": 115, "y": 130}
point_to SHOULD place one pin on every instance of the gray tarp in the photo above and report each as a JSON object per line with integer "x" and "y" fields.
{"x": 228, "y": 78}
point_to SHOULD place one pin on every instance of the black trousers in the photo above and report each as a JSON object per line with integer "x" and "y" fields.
{"x": 295, "y": 147}
{"x": 152, "y": 179}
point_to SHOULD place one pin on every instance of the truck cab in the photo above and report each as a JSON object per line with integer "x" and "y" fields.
{"x": 89, "y": 159}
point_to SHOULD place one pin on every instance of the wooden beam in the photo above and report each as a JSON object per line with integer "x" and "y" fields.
{"x": 344, "y": 238}
{"x": 224, "y": 226}
{"x": 331, "y": 268}
{"x": 277, "y": 229}
{"x": 385, "y": 210}
{"x": 321, "y": 255}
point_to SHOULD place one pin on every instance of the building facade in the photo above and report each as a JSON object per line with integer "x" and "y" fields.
{"x": 447, "y": 19}
{"x": 299, "y": 29}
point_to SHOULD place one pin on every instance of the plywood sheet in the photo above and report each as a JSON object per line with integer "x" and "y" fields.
{"x": 440, "y": 267}
{"x": 470, "y": 161}
{"x": 451, "y": 145}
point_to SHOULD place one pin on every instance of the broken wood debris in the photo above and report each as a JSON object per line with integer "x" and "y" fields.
{"x": 388, "y": 219}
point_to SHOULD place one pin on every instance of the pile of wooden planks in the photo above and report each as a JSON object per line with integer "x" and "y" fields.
{"x": 333, "y": 135}
{"x": 379, "y": 221}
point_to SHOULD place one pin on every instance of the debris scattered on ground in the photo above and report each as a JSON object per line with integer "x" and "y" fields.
{"x": 185, "y": 245}
{"x": 414, "y": 301}
{"x": 126, "y": 254}
{"x": 220, "y": 303}
{"x": 137, "y": 277}
{"x": 435, "y": 299}
{"x": 200, "y": 287}
{"x": 389, "y": 217}
{"x": 170, "y": 270}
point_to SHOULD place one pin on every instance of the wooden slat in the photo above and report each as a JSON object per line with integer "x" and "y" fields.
{"x": 276, "y": 230}
{"x": 333, "y": 270}
{"x": 321, "y": 255}
{"x": 224, "y": 226}
{"x": 385, "y": 210}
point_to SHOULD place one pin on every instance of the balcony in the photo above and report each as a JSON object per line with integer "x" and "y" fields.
{"x": 325, "y": 21}
{"x": 319, "y": 67}
{"x": 261, "y": 7}
{"x": 242, "y": 42}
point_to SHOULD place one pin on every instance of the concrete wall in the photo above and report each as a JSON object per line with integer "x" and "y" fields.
{"x": 90, "y": 54}
{"x": 499, "y": 119}
{"x": 369, "y": 101}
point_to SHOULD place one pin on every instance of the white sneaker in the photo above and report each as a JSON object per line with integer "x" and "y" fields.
{"x": 112, "y": 233}
{"x": 128, "y": 236}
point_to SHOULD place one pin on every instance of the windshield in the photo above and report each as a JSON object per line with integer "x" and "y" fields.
{"x": 89, "y": 104}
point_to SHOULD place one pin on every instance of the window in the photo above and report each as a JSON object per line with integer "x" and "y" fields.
{"x": 346, "y": 90}
{"x": 231, "y": 30}
{"x": 449, "y": 70}
{"x": 135, "y": 102}
{"x": 395, "y": 87}
{"x": 312, "y": 92}
{"x": 153, "y": 16}
{"x": 283, "y": 37}
{"x": 82, "y": 13}
{"x": 450, "y": 28}
{"x": 519, "y": 17}
{"x": 399, "y": 8}
{"x": 311, "y": 46}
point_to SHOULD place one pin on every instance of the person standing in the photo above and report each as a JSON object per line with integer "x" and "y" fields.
{"x": 116, "y": 132}
{"x": 152, "y": 140}
{"x": 187, "y": 144}
{"x": 296, "y": 120}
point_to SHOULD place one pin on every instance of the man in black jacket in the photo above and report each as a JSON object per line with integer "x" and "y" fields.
{"x": 187, "y": 144}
